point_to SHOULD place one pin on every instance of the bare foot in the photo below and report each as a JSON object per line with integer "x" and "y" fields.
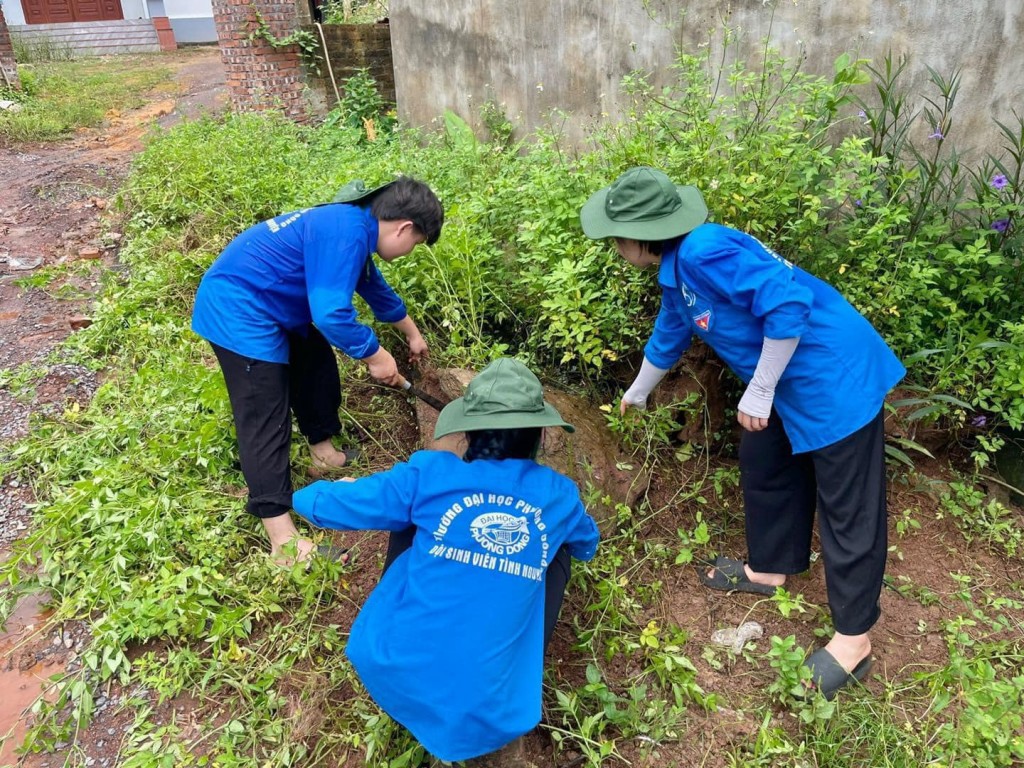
{"x": 326, "y": 456}
{"x": 287, "y": 547}
{"x": 292, "y": 552}
{"x": 849, "y": 650}
{"x": 770, "y": 579}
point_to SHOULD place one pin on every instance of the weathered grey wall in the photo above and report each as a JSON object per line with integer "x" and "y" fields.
{"x": 351, "y": 47}
{"x": 535, "y": 55}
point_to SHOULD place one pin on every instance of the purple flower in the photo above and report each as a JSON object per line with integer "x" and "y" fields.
{"x": 1001, "y": 226}
{"x": 937, "y": 134}
{"x": 859, "y": 203}
{"x": 979, "y": 421}
{"x": 999, "y": 181}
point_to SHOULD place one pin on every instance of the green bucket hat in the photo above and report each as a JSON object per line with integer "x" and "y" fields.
{"x": 643, "y": 204}
{"x": 504, "y": 395}
{"x": 356, "y": 192}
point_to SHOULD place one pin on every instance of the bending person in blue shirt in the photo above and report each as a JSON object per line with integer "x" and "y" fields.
{"x": 451, "y": 642}
{"x": 816, "y": 373}
{"x": 272, "y": 306}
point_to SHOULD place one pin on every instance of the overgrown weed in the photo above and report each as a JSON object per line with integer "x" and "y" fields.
{"x": 140, "y": 529}
{"x": 60, "y": 97}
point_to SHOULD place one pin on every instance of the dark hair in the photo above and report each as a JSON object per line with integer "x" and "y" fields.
{"x": 658, "y": 247}
{"x": 410, "y": 199}
{"x": 503, "y": 443}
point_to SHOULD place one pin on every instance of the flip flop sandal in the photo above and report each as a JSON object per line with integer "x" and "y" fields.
{"x": 828, "y": 675}
{"x": 730, "y": 576}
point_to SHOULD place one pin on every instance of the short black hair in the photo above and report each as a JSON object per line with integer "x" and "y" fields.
{"x": 658, "y": 247}
{"x": 519, "y": 443}
{"x": 408, "y": 198}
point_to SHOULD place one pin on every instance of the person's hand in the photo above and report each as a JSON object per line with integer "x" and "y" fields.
{"x": 383, "y": 368}
{"x": 417, "y": 348}
{"x": 751, "y": 423}
{"x": 631, "y": 401}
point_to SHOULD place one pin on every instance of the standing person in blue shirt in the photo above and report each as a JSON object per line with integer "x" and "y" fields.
{"x": 816, "y": 373}
{"x": 274, "y": 303}
{"x": 451, "y": 642}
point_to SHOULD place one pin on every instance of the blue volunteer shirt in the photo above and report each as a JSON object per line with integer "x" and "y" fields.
{"x": 732, "y": 292}
{"x": 450, "y": 643}
{"x": 283, "y": 274}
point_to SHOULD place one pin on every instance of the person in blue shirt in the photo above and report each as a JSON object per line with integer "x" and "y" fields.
{"x": 816, "y": 376}
{"x": 451, "y": 642}
{"x": 273, "y": 305}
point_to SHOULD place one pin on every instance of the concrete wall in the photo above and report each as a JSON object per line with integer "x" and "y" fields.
{"x": 535, "y": 55}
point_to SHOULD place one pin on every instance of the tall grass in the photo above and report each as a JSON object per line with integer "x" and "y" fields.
{"x": 61, "y": 96}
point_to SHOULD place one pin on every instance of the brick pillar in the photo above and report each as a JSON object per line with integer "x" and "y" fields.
{"x": 260, "y": 76}
{"x": 9, "y": 76}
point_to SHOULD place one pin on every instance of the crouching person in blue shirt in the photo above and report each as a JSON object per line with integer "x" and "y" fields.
{"x": 816, "y": 373}
{"x": 274, "y": 303}
{"x": 451, "y": 642}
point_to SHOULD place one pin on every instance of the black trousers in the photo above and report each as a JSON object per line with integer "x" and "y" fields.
{"x": 556, "y": 578}
{"x": 846, "y": 482}
{"x": 263, "y": 396}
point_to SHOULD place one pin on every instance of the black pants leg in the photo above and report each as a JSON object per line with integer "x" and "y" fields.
{"x": 556, "y": 578}
{"x": 778, "y": 499}
{"x": 258, "y": 391}
{"x": 852, "y": 525}
{"x": 315, "y": 386}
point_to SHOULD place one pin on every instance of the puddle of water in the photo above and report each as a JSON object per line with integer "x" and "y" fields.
{"x": 21, "y": 687}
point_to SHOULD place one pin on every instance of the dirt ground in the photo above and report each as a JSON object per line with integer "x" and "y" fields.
{"x": 52, "y": 210}
{"x": 55, "y": 209}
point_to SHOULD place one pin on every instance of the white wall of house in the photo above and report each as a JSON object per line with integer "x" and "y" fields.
{"x": 13, "y": 12}
{"x": 191, "y": 20}
{"x": 134, "y": 9}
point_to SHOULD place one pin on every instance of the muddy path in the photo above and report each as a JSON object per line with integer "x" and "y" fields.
{"x": 55, "y": 209}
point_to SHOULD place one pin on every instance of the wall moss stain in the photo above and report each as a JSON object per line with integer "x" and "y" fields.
{"x": 351, "y": 47}
{"x": 579, "y": 50}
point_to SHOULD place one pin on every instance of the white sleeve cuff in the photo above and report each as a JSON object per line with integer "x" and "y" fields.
{"x": 646, "y": 380}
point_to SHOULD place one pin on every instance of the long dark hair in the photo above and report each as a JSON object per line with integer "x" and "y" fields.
{"x": 503, "y": 443}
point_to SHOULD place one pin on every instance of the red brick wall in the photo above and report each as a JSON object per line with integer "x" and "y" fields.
{"x": 7, "y": 54}
{"x": 260, "y": 76}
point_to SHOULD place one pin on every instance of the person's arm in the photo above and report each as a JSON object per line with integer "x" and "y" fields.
{"x": 333, "y": 268}
{"x": 582, "y": 542}
{"x": 386, "y": 305}
{"x": 417, "y": 344}
{"x": 669, "y": 340}
{"x": 378, "y": 502}
{"x": 739, "y": 269}
{"x": 646, "y": 380}
{"x": 756, "y": 404}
